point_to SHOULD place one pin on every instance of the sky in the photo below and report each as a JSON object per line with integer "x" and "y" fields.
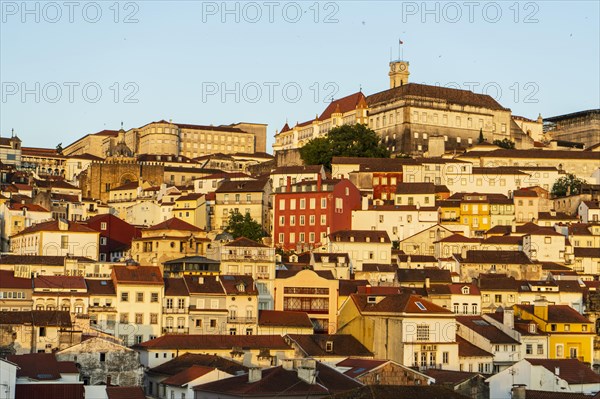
{"x": 72, "y": 68}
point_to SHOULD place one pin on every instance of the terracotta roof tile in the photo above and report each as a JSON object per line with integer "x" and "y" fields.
{"x": 373, "y": 236}
{"x": 559, "y": 314}
{"x": 188, "y": 375}
{"x": 62, "y": 282}
{"x": 125, "y": 393}
{"x": 137, "y": 275}
{"x": 280, "y": 318}
{"x": 245, "y": 242}
{"x": 174, "y": 224}
{"x": 8, "y": 280}
{"x": 571, "y": 370}
{"x": 485, "y": 329}
{"x": 211, "y": 342}
{"x": 175, "y": 287}
{"x": 100, "y": 287}
{"x": 183, "y": 362}
{"x": 315, "y": 345}
{"x": 397, "y": 303}
{"x": 467, "y": 349}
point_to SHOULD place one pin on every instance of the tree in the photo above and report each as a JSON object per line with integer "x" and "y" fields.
{"x": 244, "y": 226}
{"x": 505, "y": 143}
{"x": 481, "y": 138}
{"x": 343, "y": 141}
{"x": 567, "y": 185}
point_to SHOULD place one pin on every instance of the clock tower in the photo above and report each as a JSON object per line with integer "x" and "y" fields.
{"x": 398, "y": 73}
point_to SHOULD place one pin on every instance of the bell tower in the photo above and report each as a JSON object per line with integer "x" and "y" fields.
{"x": 398, "y": 73}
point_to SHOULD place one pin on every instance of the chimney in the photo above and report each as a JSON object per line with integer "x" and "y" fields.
{"x": 108, "y": 380}
{"x": 288, "y": 186}
{"x": 540, "y": 307}
{"x": 508, "y": 318}
{"x": 254, "y": 374}
{"x": 518, "y": 392}
{"x": 463, "y": 252}
{"x": 63, "y": 225}
{"x": 287, "y": 364}
{"x": 427, "y": 282}
{"x": 307, "y": 371}
{"x": 557, "y": 371}
{"x": 513, "y": 228}
{"x": 319, "y": 182}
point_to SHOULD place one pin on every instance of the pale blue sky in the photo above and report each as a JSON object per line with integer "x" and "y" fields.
{"x": 178, "y": 54}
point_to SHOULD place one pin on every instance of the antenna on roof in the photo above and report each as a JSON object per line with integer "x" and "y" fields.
{"x": 360, "y": 88}
{"x": 12, "y": 132}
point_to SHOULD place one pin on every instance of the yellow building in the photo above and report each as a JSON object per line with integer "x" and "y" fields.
{"x": 404, "y": 328}
{"x": 191, "y": 208}
{"x": 313, "y": 292}
{"x": 570, "y": 334}
{"x": 171, "y": 239}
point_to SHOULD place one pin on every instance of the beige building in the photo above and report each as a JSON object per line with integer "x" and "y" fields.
{"x": 10, "y": 151}
{"x": 139, "y": 291}
{"x": 247, "y": 257}
{"x": 313, "y": 292}
{"x": 57, "y": 238}
{"x": 581, "y": 127}
{"x": 251, "y": 196}
{"x": 168, "y": 240}
{"x": 404, "y": 328}
{"x": 165, "y": 137}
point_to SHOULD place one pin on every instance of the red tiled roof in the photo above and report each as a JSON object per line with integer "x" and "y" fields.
{"x": 137, "y": 275}
{"x": 360, "y": 366}
{"x": 232, "y": 282}
{"x": 37, "y": 366}
{"x": 398, "y": 303}
{"x": 486, "y": 329}
{"x": 211, "y": 342}
{"x": 559, "y": 314}
{"x": 175, "y": 287}
{"x": 282, "y": 318}
{"x": 467, "y": 349}
{"x": 277, "y": 380}
{"x": 51, "y": 391}
{"x": 188, "y": 375}
{"x": 183, "y": 362}
{"x": 8, "y": 280}
{"x": 374, "y": 236}
{"x": 343, "y": 105}
{"x": 203, "y": 285}
{"x": 37, "y": 317}
{"x": 100, "y": 287}
{"x": 571, "y": 370}
{"x": 174, "y": 224}
{"x": 458, "y": 238}
{"x": 62, "y": 282}
{"x": 53, "y": 225}
{"x": 17, "y": 206}
{"x": 451, "y": 96}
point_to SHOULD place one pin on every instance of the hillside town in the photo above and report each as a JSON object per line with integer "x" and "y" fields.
{"x": 189, "y": 261}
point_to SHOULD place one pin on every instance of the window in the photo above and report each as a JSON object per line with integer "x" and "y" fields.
{"x": 567, "y": 327}
{"x": 498, "y": 298}
{"x": 139, "y": 297}
{"x": 547, "y": 240}
{"x": 154, "y": 297}
{"x": 282, "y": 204}
{"x": 64, "y": 242}
{"x": 540, "y": 349}
{"x": 423, "y": 332}
{"x": 103, "y": 240}
{"x": 560, "y": 351}
{"x": 139, "y": 318}
{"x": 124, "y": 319}
{"x": 529, "y": 349}
{"x": 103, "y": 226}
{"x": 445, "y": 357}
{"x": 323, "y": 203}
{"x": 302, "y": 203}
{"x": 124, "y": 296}
{"x": 153, "y": 318}
{"x": 102, "y": 356}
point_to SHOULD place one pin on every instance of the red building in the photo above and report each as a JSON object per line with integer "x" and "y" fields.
{"x": 384, "y": 184}
{"x": 115, "y": 236}
{"x": 306, "y": 213}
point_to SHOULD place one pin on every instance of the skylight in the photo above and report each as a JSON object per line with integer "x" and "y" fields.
{"x": 420, "y": 306}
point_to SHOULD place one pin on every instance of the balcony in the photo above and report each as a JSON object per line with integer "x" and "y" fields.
{"x": 241, "y": 320}
{"x": 175, "y": 310}
{"x": 175, "y": 330}
{"x": 262, "y": 276}
{"x": 247, "y": 258}
{"x": 96, "y": 309}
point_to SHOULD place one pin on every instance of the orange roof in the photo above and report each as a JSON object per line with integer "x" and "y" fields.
{"x": 187, "y": 375}
{"x": 137, "y": 275}
{"x": 174, "y": 224}
{"x": 53, "y": 225}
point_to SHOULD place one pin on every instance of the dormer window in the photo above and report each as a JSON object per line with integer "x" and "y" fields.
{"x": 371, "y": 299}
{"x": 532, "y": 328}
{"x": 465, "y": 290}
{"x": 241, "y": 287}
{"x": 368, "y": 239}
{"x": 351, "y": 238}
{"x": 329, "y": 346}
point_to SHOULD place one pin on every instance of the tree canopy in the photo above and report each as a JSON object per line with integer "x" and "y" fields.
{"x": 567, "y": 185}
{"x": 343, "y": 141}
{"x": 505, "y": 143}
{"x": 244, "y": 226}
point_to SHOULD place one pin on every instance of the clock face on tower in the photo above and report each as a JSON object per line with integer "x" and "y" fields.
{"x": 402, "y": 67}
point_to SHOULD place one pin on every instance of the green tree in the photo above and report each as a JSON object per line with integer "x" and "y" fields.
{"x": 343, "y": 141}
{"x": 505, "y": 143}
{"x": 567, "y": 185}
{"x": 481, "y": 138}
{"x": 244, "y": 226}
